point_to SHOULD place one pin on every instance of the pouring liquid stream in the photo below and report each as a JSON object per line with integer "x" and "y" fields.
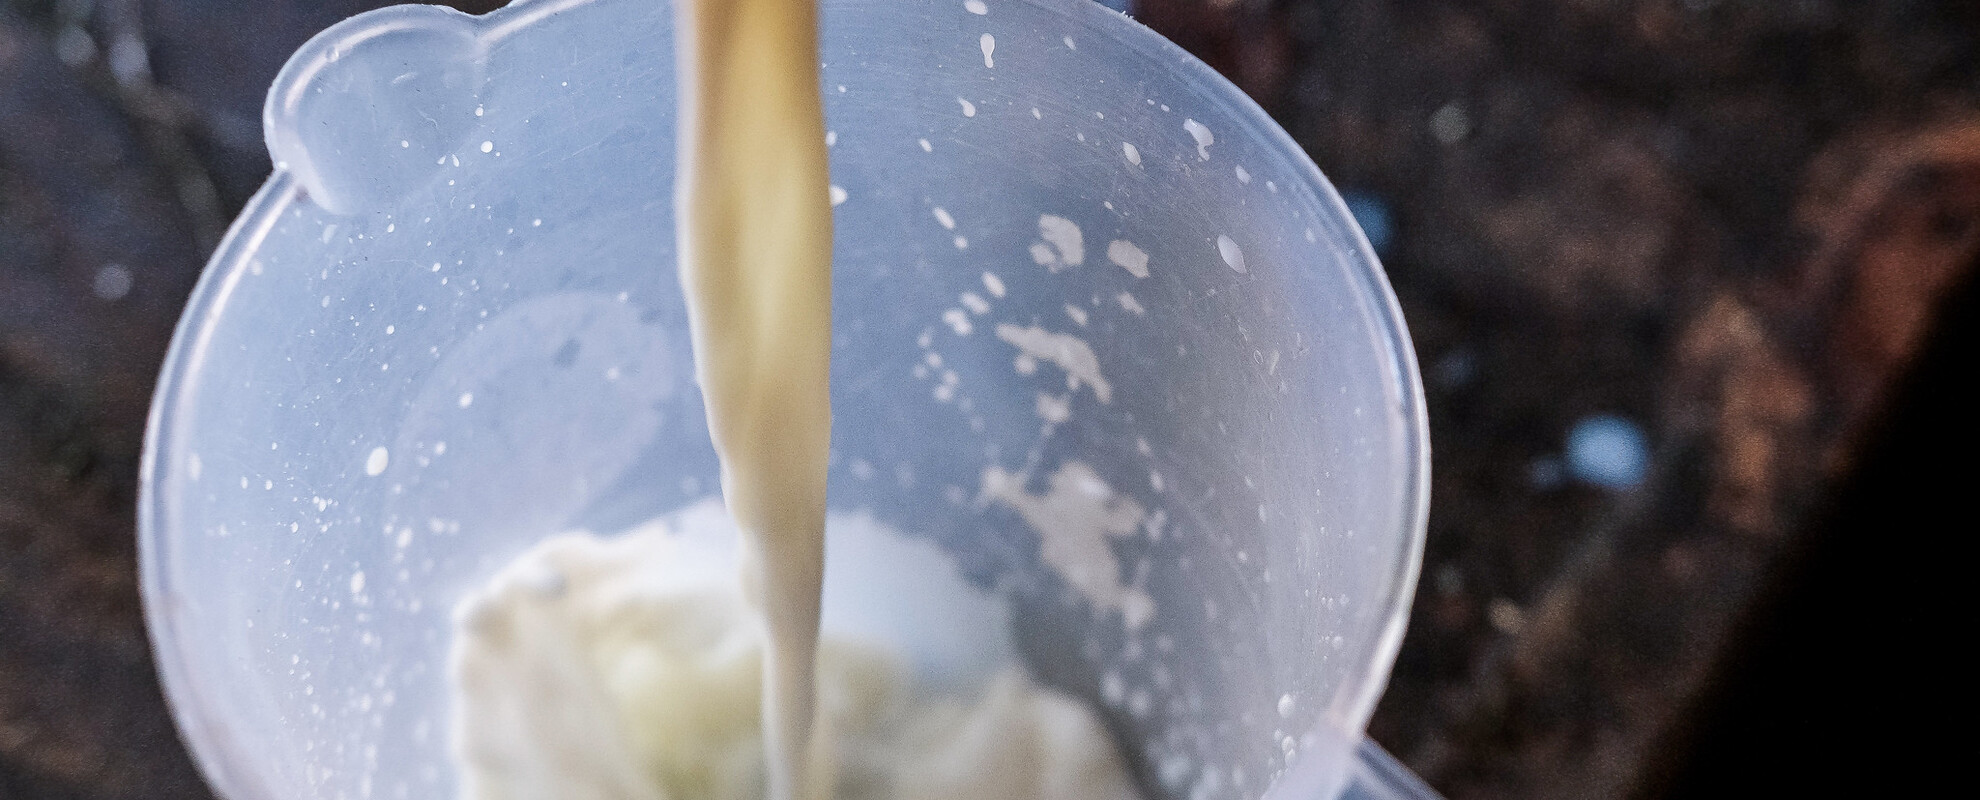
{"x": 755, "y": 234}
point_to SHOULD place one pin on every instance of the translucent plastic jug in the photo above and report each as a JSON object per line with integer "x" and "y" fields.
{"x": 1069, "y": 257}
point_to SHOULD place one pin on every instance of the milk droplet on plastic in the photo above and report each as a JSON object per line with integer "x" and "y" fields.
{"x": 374, "y": 464}
{"x": 1204, "y": 138}
{"x": 1127, "y": 256}
{"x": 1232, "y": 255}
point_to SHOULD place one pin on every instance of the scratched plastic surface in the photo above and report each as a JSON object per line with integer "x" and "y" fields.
{"x": 1072, "y": 262}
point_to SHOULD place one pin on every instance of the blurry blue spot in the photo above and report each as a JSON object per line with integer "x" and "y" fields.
{"x": 1607, "y": 451}
{"x": 1117, "y": 5}
{"x": 1373, "y": 216}
{"x": 1544, "y": 473}
{"x": 1456, "y": 369}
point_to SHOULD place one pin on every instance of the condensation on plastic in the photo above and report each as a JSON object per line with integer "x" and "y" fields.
{"x": 449, "y": 325}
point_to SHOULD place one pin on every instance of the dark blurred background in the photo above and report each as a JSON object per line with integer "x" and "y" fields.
{"x": 1690, "y": 280}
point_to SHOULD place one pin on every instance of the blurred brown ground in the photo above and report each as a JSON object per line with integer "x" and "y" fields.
{"x": 1735, "y": 222}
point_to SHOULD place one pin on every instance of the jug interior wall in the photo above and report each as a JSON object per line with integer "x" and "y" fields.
{"x": 1087, "y": 301}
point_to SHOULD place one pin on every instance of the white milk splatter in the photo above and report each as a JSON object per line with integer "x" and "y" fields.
{"x": 1063, "y": 247}
{"x": 975, "y": 7}
{"x": 958, "y": 321}
{"x": 1075, "y": 519}
{"x": 994, "y": 284}
{"x": 942, "y": 216}
{"x": 1054, "y": 408}
{"x": 1232, "y": 255}
{"x": 1128, "y": 257}
{"x": 1204, "y": 138}
{"x": 374, "y": 464}
{"x": 838, "y": 194}
{"x": 1069, "y": 352}
{"x": 989, "y": 45}
{"x": 1133, "y": 155}
{"x": 969, "y": 108}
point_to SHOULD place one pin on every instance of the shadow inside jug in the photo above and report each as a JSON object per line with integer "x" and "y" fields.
{"x": 1102, "y": 333}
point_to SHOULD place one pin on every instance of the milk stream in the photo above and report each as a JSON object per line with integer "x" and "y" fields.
{"x": 755, "y": 244}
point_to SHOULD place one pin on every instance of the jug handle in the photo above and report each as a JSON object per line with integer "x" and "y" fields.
{"x": 1378, "y": 776}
